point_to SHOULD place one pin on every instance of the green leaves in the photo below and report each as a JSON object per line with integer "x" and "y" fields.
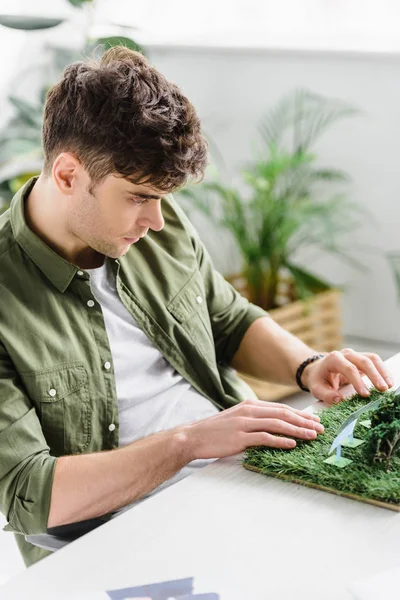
{"x": 80, "y": 3}
{"x": 394, "y": 263}
{"x": 20, "y": 146}
{"x": 306, "y": 283}
{"x": 301, "y": 117}
{"x": 383, "y": 439}
{"x": 30, "y": 115}
{"x": 27, "y": 23}
{"x": 22, "y": 135}
{"x": 284, "y": 204}
{"x": 109, "y": 42}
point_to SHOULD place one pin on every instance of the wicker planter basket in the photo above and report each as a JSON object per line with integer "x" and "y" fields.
{"x": 316, "y": 321}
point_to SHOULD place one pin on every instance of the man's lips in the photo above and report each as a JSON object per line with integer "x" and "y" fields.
{"x": 132, "y": 240}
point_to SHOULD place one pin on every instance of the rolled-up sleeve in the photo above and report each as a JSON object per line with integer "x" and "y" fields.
{"x": 231, "y": 314}
{"x": 26, "y": 467}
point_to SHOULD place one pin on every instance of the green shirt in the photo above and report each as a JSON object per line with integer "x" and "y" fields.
{"x": 57, "y": 390}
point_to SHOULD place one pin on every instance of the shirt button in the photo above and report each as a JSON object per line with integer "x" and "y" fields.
{"x": 111, "y": 427}
{"x": 90, "y": 303}
{"x": 107, "y": 365}
{"x": 199, "y": 299}
{"x": 80, "y": 273}
{"x": 52, "y": 392}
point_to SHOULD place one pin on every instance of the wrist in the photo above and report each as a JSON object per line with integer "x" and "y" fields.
{"x": 186, "y": 444}
{"x": 305, "y": 369}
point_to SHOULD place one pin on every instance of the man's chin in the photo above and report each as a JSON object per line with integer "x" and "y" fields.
{"x": 117, "y": 252}
{"x": 115, "y": 255}
{"x": 112, "y": 250}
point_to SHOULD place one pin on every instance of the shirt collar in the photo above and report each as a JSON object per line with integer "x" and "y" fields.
{"x": 58, "y": 270}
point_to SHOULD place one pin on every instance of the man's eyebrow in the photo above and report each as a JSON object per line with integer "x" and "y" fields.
{"x": 147, "y": 196}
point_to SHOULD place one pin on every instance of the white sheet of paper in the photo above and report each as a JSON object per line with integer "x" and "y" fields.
{"x": 385, "y": 584}
{"x": 83, "y": 596}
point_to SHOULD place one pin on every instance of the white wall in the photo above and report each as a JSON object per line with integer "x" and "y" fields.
{"x": 233, "y": 89}
{"x": 317, "y": 24}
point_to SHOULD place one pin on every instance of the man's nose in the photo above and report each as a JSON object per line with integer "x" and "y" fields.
{"x": 151, "y": 217}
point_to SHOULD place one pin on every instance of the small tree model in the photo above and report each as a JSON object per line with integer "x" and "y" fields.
{"x": 383, "y": 439}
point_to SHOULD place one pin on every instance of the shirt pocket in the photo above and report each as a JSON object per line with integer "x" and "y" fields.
{"x": 61, "y": 397}
{"x": 189, "y": 308}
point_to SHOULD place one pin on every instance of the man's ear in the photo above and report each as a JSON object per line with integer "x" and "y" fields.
{"x": 66, "y": 171}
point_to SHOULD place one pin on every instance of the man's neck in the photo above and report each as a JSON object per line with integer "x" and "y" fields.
{"x": 41, "y": 218}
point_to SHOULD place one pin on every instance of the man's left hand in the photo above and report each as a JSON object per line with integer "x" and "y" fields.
{"x": 326, "y": 377}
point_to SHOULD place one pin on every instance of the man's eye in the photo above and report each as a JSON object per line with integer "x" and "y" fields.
{"x": 138, "y": 201}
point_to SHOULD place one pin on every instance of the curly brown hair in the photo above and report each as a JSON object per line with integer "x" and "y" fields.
{"x": 120, "y": 115}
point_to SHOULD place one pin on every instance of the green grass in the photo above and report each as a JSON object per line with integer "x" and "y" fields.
{"x": 305, "y": 461}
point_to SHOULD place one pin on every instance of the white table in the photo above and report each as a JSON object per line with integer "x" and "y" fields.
{"x": 244, "y": 535}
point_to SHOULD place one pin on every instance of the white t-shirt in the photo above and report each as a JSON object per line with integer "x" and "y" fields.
{"x": 152, "y": 395}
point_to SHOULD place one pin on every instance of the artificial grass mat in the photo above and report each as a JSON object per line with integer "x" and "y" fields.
{"x": 304, "y": 463}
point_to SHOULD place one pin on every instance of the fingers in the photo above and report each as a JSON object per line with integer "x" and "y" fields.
{"x": 371, "y": 365}
{"x": 328, "y": 395}
{"x": 262, "y": 438}
{"x": 348, "y": 364}
{"x": 259, "y": 421}
{"x": 263, "y": 404}
{"x": 373, "y": 368}
{"x": 302, "y": 413}
{"x": 352, "y": 366}
{"x": 280, "y": 427}
{"x": 255, "y": 414}
{"x": 342, "y": 362}
{"x": 260, "y": 431}
{"x": 380, "y": 367}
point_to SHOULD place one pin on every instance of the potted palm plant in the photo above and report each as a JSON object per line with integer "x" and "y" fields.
{"x": 285, "y": 204}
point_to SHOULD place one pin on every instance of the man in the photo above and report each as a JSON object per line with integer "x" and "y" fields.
{"x": 117, "y": 337}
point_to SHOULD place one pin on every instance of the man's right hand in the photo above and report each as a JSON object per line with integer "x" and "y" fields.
{"x": 86, "y": 486}
{"x": 250, "y": 423}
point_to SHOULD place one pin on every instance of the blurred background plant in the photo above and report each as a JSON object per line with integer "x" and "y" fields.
{"x": 21, "y": 154}
{"x": 394, "y": 263}
{"x": 284, "y": 202}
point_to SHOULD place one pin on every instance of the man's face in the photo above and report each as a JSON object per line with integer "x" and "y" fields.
{"x": 114, "y": 214}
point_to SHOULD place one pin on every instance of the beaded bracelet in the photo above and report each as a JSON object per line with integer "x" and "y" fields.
{"x": 301, "y": 368}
